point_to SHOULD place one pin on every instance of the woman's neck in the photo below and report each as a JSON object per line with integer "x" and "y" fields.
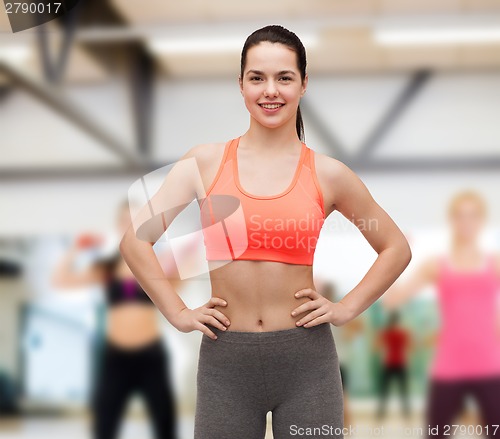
{"x": 271, "y": 139}
{"x": 465, "y": 248}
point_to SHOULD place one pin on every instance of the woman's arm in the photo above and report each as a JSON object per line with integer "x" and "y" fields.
{"x": 180, "y": 187}
{"x": 345, "y": 192}
{"x": 65, "y": 276}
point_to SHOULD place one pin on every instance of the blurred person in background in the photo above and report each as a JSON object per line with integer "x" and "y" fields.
{"x": 134, "y": 358}
{"x": 267, "y": 344}
{"x": 344, "y": 336}
{"x": 394, "y": 342}
{"x": 467, "y": 357}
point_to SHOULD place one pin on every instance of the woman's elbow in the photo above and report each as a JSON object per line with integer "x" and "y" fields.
{"x": 401, "y": 251}
{"x": 405, "y": 252}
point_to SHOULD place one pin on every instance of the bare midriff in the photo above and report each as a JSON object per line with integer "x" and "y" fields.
{"x": 132, "y": 325}
{"x": 260, "y": 295}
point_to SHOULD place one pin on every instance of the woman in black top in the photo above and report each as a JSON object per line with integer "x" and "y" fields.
{"x": 134, "y": 358}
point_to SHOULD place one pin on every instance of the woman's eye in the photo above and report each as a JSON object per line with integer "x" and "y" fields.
{"x": 286, "y": 78}
{"x": 255, "y": 78}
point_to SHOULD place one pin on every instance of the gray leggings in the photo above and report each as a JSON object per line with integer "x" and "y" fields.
{"x": 294, "y": 373}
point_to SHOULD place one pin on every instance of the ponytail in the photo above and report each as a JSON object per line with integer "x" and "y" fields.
{"x": 299, "y": 124}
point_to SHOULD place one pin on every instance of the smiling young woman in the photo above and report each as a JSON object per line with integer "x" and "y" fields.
{"x": 267, "y": 344}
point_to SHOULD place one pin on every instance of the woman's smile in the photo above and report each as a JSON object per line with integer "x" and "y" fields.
{"x": 271, "y": 107}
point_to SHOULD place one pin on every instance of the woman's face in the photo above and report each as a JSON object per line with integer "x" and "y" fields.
{"x": 467, "y": 220}
{"x": 271, "y": 84}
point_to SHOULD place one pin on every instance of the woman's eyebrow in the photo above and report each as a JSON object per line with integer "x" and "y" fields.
{"x": 282, "y": 72}
{"x": 255, "y": 72}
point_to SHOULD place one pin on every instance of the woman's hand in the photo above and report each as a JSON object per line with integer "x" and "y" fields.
{"x": 321, "y": 310}
{"x": 187, "y": 320}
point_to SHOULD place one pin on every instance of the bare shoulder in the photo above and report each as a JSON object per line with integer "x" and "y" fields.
{"x": 206, "y": 152}
{"x": 208, "y": 159}
{"x": 330, "y": 169}
{"x": 429, "y": 268}
{"x": 338, "y": 182}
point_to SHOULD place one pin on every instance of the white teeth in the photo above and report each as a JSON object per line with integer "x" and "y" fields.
{"x": 271, "y": 106}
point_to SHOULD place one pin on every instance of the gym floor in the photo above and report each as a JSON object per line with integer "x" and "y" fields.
{"x": 364, "y": 426}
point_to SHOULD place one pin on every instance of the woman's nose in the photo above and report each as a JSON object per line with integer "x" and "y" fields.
{"x": 271, "y": 89}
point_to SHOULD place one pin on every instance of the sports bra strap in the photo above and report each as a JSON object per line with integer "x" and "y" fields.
{"x": 231, "y": 150}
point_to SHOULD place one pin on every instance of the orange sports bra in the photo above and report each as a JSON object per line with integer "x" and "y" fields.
{"x": 281, "y": 228}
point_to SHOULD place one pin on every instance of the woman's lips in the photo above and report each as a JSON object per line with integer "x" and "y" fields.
{"x": 271, "y": 107}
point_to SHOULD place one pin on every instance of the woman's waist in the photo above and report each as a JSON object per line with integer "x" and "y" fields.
{"x": 127, "y": 319}
{"x": 260, "y": 295}
{"x": 258, "y": 322}
{"x": 274, "y": 335}
{"x": 259, "y": 291}
{"x": 257, "y": 308}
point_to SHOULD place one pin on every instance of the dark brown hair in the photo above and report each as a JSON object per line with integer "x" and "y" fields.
{"x": 278, "y": 34}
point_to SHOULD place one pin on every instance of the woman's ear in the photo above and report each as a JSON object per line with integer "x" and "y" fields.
{"x": 304, "y": 85}
{"x": 240, "y": 82}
